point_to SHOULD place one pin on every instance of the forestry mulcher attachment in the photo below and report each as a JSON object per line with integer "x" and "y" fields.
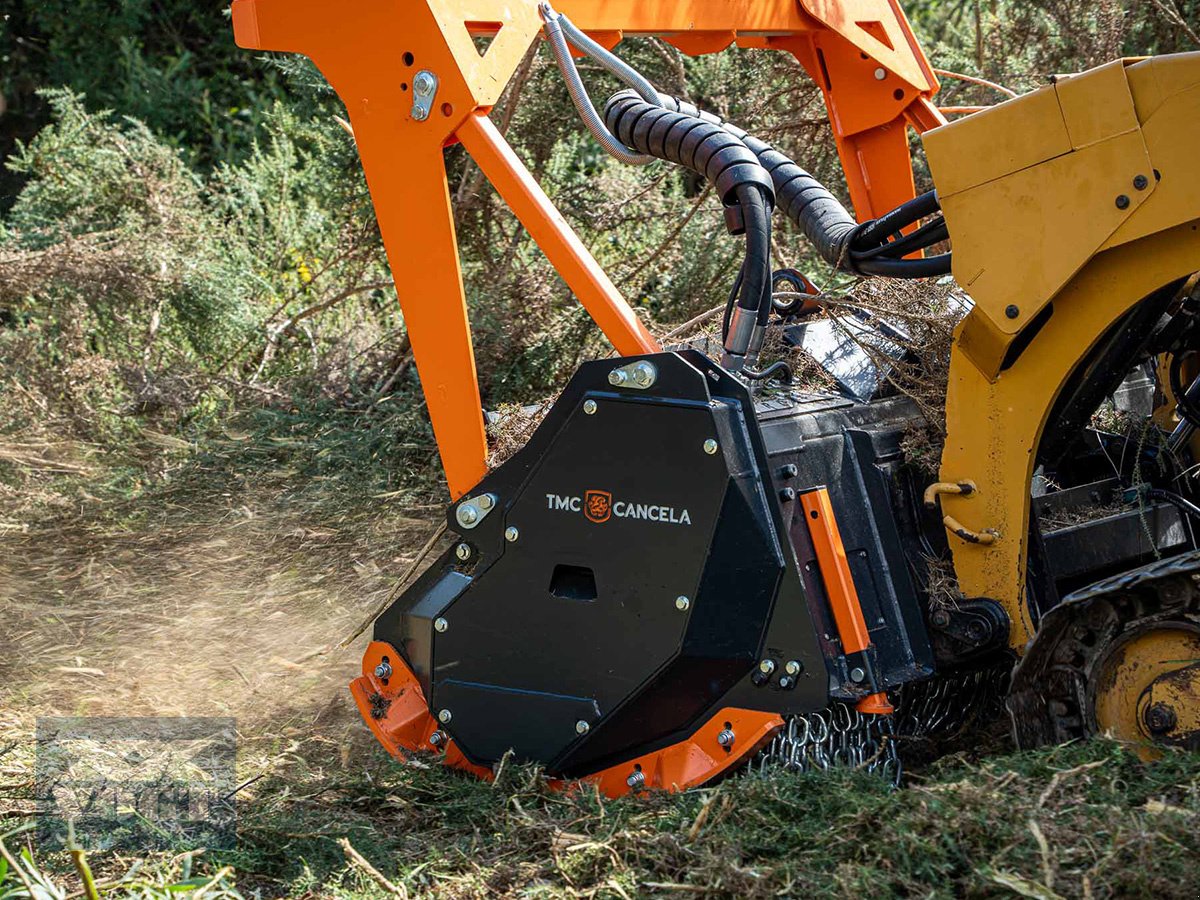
{"x": 692, "y": 564}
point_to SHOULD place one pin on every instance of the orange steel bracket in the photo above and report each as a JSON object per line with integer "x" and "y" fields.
{"x": 398, "y": 714}
{"x": 839, "y": 586}
{"x": 862, "y": 54}
{"x": 372, "y": 52}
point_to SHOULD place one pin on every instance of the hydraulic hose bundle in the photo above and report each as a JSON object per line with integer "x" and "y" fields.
{"x": 751, "y": 178}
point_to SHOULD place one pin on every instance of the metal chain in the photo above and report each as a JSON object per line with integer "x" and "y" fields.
{"x": 837, "y": 737}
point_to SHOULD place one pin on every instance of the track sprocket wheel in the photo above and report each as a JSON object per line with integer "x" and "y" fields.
{"x": 1114, "y": 662}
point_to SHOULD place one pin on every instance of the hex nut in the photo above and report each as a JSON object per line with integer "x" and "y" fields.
{"x": 383, "y": 670}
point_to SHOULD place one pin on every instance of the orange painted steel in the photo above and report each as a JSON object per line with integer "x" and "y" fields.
{"x": 839, "y": 585}
{"x": 561, "y": 245}
{"x": 398, "y": 714}
{"x": 861, "y": 53}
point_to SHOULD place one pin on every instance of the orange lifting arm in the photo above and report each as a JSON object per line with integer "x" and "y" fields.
{"x": 861, "y": 53}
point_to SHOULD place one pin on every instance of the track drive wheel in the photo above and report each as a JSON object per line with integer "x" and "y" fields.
{"x": 1123, "y": 663}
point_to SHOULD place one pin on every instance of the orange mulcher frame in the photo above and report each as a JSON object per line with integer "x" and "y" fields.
{"x": 862, "y": 54}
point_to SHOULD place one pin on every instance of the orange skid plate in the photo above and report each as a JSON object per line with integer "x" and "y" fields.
{"x": 399, "y": 716}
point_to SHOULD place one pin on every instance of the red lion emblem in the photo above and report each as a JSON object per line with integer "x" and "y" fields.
{"x": 597, "y": 506}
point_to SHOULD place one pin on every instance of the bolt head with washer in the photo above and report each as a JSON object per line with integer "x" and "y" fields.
{"x": 857, "y": 675}
{"x": 711, "y": 447}
{"x": 463, "y": 552}
{"x": 383, "y": 670}
{"x": 794, "y": 667}
{"x": 511, "y": 534}
{"x": 440, "y": 625}
{"x": 682, "y": 603}
{"x": 582, "y": 727}
{"x": 726, "y": 738}
{"x": 444, "y": 716}
{"x": 467, "y": 514}
{"x": 617, "y": 377}
{"x": 767, "y": 666}
{"x": 589, "y": 407}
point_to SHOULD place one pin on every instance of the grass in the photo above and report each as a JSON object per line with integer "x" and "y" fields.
{"x": 216, "y": 576}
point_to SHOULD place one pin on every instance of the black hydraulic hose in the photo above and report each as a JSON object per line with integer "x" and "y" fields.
{"x": 1187, "y": 507}
{"x": 780, "y": 370}
{"x": 838, "y": 237}
{"x": 756, "y": 283}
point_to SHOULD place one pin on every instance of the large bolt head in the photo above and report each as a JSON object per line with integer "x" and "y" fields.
{"x": 726, "y": 738}
{"x": 423, "y": 83}
{"x": 1161, "y": 718}
{"x": 468, "y": 514}
{"x": 636, "y": 779}
{"x": 617, "y": 377}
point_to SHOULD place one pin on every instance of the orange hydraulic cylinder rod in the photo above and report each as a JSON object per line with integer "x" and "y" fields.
{"x": 550, "y": 230}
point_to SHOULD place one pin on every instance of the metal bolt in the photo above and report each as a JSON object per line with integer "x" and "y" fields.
{"x": 857, "y": 675}
{"x": 1161, "y": 718}
{"x": 682, "y": 603}
{"x": 644, "y": 374}
{"x": 463, "y": 552}
{"x": 617, "y": 377}
{"x": 787, "y": 495}
{"x": 437, "y": 738}
{"x": 1141, "y": 182}
{"x": 589, "y": 407}
{"x": 1012, "y": 310}
{"x": 487, "y": 501}
{"x": 383, "y": 670}
{"x": 582, "y": 727}
{"x": 726, "y": 738}
{"x": 468, "y": 514}
{"x": 636, "y": 780}
{"x": 440, "y": 625}
{"x": 787, "y": 682}
{"x": 711, "y": 446}
{"x": 511, "y": 533}
{"x": 767, "y": 666}
{"x": 794, "y": 667}
{"x": 420, "y": 113}
{"x": 444, "y": 716}
{"x": 423, "y": 83}
{"x": 880, "y": 74}
{"x": 940, "y": 618}
{"x": 1123, "y": 201}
